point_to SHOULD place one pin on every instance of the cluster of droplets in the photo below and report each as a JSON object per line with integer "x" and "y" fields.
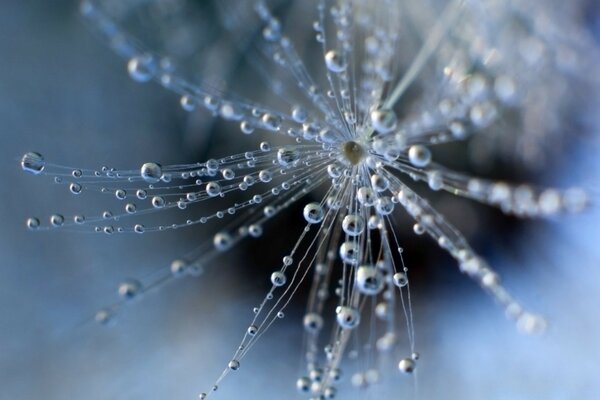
{"x": 350, "y": 148}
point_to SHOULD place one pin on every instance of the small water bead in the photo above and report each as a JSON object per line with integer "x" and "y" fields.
{"x": 104, "y": 316}
{"x": 269, "y": 211}
{"x": 379, "y": 183}
{"x": 350, "y": 253}
{"x": 287, "y": 261}
{"x": 130, "y": 208}
{"x": 312, "y": 322}
{"x": 287, "y": 157}
{"x": 228, "y": 174}
{"x": 369, "y": 280}
{"x": 57, "y": 220}
{"x": 265, "y": 147}
{"x": 254, "y": 230}
{"x": 130, "y": 289}
{"x": 418, "y": 229}
{"x": 313, "y": 213}
{"x": 32, "y": 223}
{"x": 33, "y": 162}
{"x": 531, "y": 324}
{"x": 347, "y": 317}
{"x": 353, "y": 224}
{"x": 230, "y": 111}
{"x": 120, "y": 194}
{"x": 178, "y": 267}
{"x": 271, "y": 122}
{"x": 407, "y": 365}
{"x": 213, "y": 189}
{"x": 384, "y": 120}
{"x": 483, "y": 114}
{"x": 272, "y": 32}
{"x": 278, "y": 278}
{"x": 315, "y": 374}
{"x": 265, "y": 176}
{"x": 249, "y": 180}
{"x": 233, "y": 365}
{"x": 158, "y": 202}
{"x": 151, "y": 172}
{"x": 139, "y": 228}
{"x": 75, "y": 188}
{"x": 303, "y": 384}
{"x": 280, "y": 314}
{"x": 299, "y": 114}
{"x": 375, "y": 222}
{"x": 79, "y": 219}
{"x": 141, "y": 194}
{"x": 384, "y": 205}
{"x": 222, "y": 241}
{"x": 400, "y": 279}
{"x": 329, "y": 392}
{"x": 252, "y": 329}
{"x": 188, "y": 103}
{"x": 246, "y": 127}
{"x": 334, "y": 61}
{"x": 334, "y": 171}
{"x": 365, "y": 196}
{"x": 419, "y": 155}
{"x": 109, "y": 230}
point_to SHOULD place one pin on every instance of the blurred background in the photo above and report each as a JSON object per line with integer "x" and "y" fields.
{"x": 65, "y": 94}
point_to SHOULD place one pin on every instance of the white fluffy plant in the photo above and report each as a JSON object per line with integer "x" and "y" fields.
{"x": 351, "y": 118}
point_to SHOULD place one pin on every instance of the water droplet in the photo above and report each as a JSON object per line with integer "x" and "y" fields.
{"x": 384, "y": 120}
{"x": 33, "y": 163}
{"x": 419, "y": 155}
{"x": 312, "y": 322}
{"x": 287, "y": 156}
{"x": 151, "y": 172}
{"x": 57, "y": 220}
{"x": 313, "y": 213}
{"x": 347, "y": 317}
{"x": 130, "y": 289}
{"x": 141, "y": 68}
{"x": 407, "y": 365}
{"x": 278, "y": 278}
{"x": 353, "y": 224}
{"x": 233, "y": 365}
{"x": 33, "y": 223}
{"x": 369, "y": 280}
{"x": 400, "y": 279}
{"x": 334, "y": 61}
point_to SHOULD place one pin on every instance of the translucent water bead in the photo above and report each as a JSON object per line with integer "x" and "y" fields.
{"x": 384, "y": 120}
{"x": 33, "y": 163}
{"x": 151, "y": 172}
{"x": 334, "y": 61}
{"x": 141, "y": 68}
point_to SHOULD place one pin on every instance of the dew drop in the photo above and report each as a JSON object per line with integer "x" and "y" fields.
{"x": 384, "y": 120}
{"x": 334, "y": 61}
{"x": 141, "y": 68}
{"x": 313, "y": 213}
{"x": 33, "y": 223}
{"x": 151, "y": 172}
{"x": 33, "y": 163}
{"x": 419, "y": 155}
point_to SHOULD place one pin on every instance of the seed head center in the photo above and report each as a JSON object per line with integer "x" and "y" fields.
{"x": 353, "y": 152}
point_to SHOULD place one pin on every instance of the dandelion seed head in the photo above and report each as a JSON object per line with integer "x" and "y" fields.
{"x": 356, "y": 139}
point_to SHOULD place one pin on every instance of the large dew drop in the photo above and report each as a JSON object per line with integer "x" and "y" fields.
{"x": 384, "y": 120}
{"x": 33, "y": 162}
{"x": 151, "y": 172}
{"x": 334, "y": 61}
